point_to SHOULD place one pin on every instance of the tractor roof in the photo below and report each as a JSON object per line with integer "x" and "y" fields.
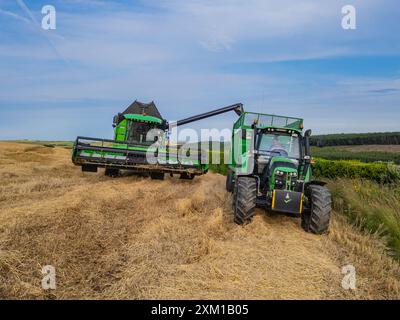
{"x": 264, "y": 121}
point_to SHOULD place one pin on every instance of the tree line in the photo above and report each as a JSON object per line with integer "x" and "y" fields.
{"x": 348, "y": 139}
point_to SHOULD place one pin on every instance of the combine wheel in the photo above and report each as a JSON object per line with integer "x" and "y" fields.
{"x": 110, "y": 172}
{"x": 186, "y": 176}
{"x": 157, "y": 175}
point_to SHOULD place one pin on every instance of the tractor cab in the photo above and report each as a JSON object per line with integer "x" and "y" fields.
{"x": 278, "y": 156}
{"x": 278, "y": 148}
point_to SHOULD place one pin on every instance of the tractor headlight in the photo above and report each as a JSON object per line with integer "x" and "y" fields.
{"x": 279, "y": 172}
{"x": 293, "y": 174}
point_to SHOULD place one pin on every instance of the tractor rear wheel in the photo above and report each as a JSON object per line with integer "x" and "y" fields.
{"x": 316, "y": 220}
{"x": 111, "y": 172}
{"x": 244, "y": 199}
{"x": 229, "y": 181}
{"x": 157, "y": 175}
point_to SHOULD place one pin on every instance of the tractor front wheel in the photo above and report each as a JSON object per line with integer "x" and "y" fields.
{"x": 316, "y": 219}
{"x": 244, "y": 199}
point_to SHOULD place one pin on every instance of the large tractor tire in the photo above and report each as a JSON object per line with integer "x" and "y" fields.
{"x": 229, "y": 181}
{"x": 111, "y": 172}
{"x": 244, "y": 199}
{"x": 157, "y": 175}
{"x": 316, "y": 220}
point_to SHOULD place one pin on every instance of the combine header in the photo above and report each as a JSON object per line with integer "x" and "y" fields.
{"x": 133, "y": 148}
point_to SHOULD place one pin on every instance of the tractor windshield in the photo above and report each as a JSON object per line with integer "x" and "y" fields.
{"x": 287, "y": 145}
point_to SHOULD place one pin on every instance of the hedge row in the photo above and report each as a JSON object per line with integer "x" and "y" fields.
{"x": 378, "y": 171}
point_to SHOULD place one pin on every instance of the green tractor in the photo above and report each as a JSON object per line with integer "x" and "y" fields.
{"x": 271, "y": 168}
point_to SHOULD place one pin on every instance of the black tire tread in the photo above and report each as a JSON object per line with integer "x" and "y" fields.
{"x": 318, "y": 218}
{"x": 229, "y": 181}
{"x": 245, "y": 194}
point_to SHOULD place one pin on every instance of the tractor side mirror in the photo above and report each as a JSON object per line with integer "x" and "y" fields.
{"x": 307, "y": 149}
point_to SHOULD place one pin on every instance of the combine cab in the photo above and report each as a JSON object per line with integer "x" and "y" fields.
{"x": 141, "y": 144}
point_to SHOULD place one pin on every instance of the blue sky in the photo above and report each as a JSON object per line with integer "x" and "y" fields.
{"x": 283, "y": 57}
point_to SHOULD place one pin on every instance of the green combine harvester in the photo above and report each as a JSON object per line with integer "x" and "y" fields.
{"x": 133, "y": 147}
{"x": 271, "y": 167}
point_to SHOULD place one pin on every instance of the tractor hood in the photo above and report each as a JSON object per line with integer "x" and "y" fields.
{"x": 283, "y": 164}
{"x": 283, "y": 173}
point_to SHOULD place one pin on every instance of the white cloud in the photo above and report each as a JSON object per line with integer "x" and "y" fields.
{"x": 14, "y": 15}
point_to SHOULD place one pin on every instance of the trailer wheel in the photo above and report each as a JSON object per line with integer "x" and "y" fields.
{"x": 229, "y": 181}
{"x": 316, "y": 220}
{"x": 110, "y": 172}
{"x": 244, "y": 199}
{"x": 157, "y": 175}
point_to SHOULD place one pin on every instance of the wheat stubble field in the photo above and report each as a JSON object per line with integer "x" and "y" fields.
{"x": 134, "y": 238}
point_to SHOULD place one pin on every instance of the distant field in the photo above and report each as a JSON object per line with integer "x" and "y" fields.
{"x": 45, "y": 143}
{"x": 372, "y": 148}
{"x": 364, "y": 153}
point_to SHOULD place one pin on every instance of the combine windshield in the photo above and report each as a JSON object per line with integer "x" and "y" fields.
{"x": 287, "y": 145}
{"x": 137, "y": 132}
